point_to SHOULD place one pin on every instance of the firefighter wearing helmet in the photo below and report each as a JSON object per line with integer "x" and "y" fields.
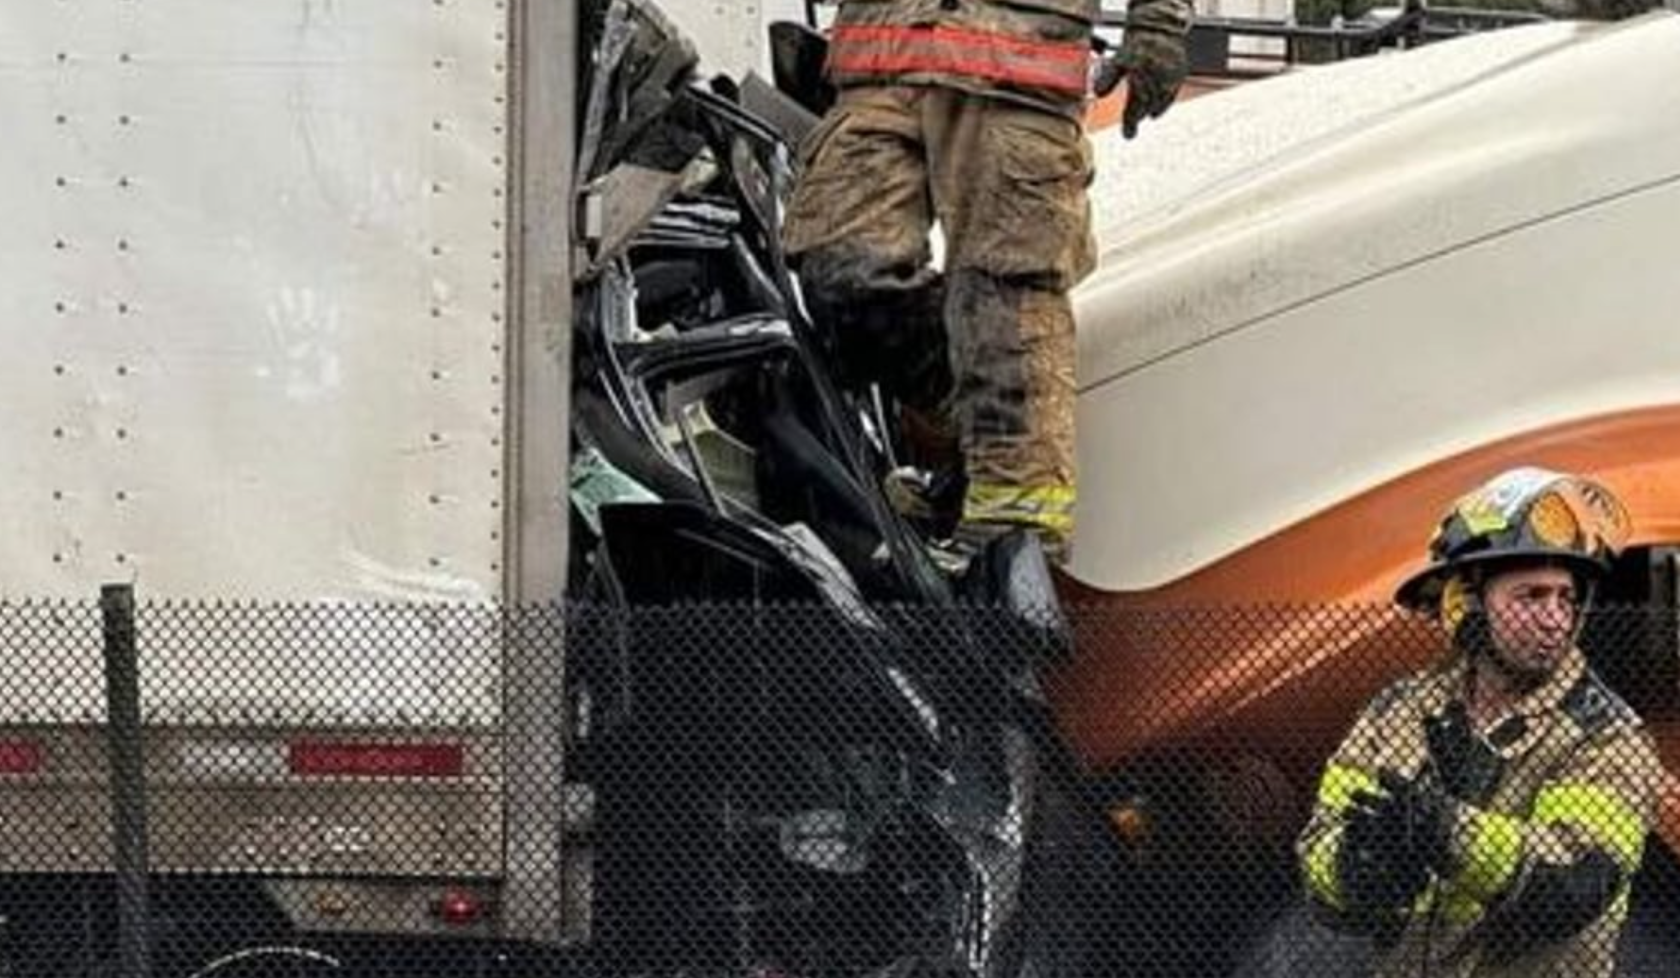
{"x": 1486, "y": 817}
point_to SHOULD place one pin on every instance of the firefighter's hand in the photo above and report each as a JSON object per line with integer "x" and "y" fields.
{"x": 1380, "y": 874}
{"x": 1155, "y": 64}
{"x": 1426, "y": 812}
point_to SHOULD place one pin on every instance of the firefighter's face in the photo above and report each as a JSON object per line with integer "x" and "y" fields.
{"x": 1531, "y": 612}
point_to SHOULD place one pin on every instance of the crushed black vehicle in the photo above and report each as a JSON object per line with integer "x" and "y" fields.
{"x": 813, "y": 752}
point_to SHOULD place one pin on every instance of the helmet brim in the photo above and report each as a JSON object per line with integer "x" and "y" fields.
{"x": 1422, "y": 591}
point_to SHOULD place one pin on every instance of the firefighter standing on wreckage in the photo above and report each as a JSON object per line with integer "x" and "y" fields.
{"x": 968, "y": 113}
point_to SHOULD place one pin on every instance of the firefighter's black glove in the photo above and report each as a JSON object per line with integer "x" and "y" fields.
{"x": 1155, "y": 64}
{"x": 1380, "y": 873}
{"x": 1427, "y": 814}
{"x": 1467, "y": 765}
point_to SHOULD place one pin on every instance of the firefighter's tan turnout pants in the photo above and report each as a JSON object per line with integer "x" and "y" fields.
{"x": 987, "y": 347}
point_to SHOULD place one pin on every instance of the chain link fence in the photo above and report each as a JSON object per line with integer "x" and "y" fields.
{"x": 200, "y": 788}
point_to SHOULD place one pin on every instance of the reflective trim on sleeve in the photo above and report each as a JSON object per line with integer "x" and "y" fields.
{"x": 1491, "y": 855}
{"x": 1461, "y": 909}
{"x": 1598, "y": 810}
{"x": 1340, "y": 782}
{"x": 1619, "y": 910}
{"x": 1321, "y": 869}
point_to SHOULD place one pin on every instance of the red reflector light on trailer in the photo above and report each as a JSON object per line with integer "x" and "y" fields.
{"x": 376, "y": 760}
{"x": 458, "y": 907}
{"x": 19, "y": 757}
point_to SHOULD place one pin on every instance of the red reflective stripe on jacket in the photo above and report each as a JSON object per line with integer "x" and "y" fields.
{"x": 995, "y": 57}
{"x": 881, "y": 63}
{"x": 1054, "y": 50}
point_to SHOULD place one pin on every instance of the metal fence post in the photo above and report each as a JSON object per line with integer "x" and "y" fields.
{"x": 128, "y": 778}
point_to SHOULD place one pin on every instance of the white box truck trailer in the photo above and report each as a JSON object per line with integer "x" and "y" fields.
{"x": 285, "y": 317}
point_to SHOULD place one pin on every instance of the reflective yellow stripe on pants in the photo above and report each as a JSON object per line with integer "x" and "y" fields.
{"x": 1049, "y": 508}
